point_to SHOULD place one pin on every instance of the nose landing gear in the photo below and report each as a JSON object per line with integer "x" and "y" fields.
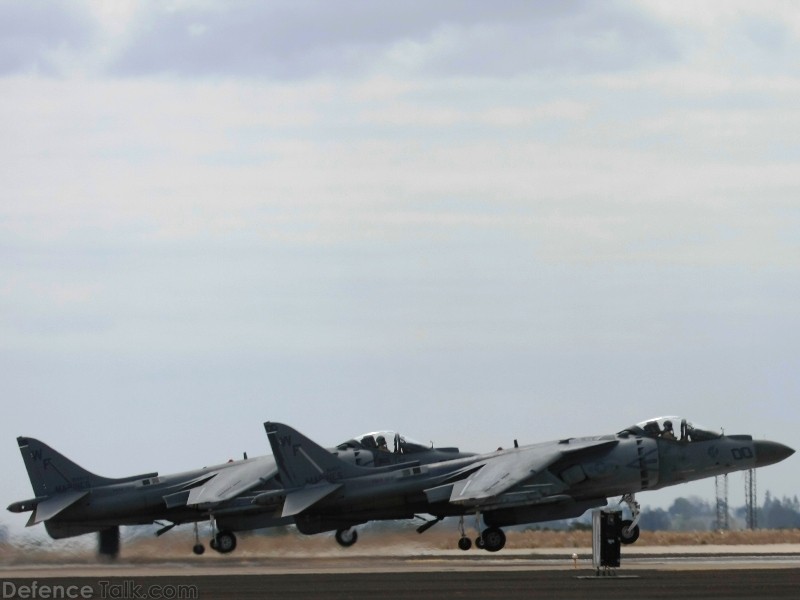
{"x": 629, "y": 532}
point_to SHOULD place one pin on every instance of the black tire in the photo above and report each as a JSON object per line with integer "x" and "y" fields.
{"x": 224, "y": 542}
{"x": 630, "y": 537}
{"x": 346, "y": 537}
{"x": 479, "y": 543}
{"x": 198, "y": 549}
{"x": 493, "y": 539}
{"x": 464, "y": 543}
{"x": 108, "y": 542}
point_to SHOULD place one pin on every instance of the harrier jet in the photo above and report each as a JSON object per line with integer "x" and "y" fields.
{"x": 525, "y": 484}
{"x": 234, "y": 496}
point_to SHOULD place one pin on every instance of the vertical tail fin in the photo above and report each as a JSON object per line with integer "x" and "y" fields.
{"x": 51, "y": 472}
{"x": 303, "y": 462}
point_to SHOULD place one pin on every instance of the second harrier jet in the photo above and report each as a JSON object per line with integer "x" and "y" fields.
{"x": 541, "y": 482}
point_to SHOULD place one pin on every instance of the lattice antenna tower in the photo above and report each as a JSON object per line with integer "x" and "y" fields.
{"x": 751, "y": 498}
{"x": 721, "y": 484}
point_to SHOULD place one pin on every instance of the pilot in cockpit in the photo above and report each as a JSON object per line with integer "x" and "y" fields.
{"x": 382, "y": 443}
{"x": 667, "y": 433}
{"x": 651, "y": 428}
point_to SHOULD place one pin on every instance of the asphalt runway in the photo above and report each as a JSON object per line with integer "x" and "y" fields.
{"x": 436, "y": 577}
{"x": 696, "y": 584}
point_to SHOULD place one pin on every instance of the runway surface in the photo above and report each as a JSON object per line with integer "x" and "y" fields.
{"x": 697, "y": 584}
{"x": 423, "y": 585}
{"x": 655, "y": 574}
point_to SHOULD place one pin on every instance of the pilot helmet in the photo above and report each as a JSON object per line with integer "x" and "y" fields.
{"x": 381, "y": 440}
{"x": 667, "y": 424}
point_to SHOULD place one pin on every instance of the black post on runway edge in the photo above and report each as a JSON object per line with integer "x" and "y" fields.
{"x": 606, "y": 545}
{"x": 606, "y": 555}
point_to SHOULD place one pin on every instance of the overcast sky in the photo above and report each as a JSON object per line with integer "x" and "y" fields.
{"x": 467, "y": 221}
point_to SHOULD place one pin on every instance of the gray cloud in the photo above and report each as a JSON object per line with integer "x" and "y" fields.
{"x": 293, "y": 40}
{"x": 32, "y": 34}
{"x": 420, "y": 252}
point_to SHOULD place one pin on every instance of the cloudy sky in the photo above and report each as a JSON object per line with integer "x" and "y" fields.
{"x": 467, "y": 221}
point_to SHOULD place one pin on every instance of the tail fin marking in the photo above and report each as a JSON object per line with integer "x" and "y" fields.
{"x": 52, "y": 473}
{"x": 303, "y": 462}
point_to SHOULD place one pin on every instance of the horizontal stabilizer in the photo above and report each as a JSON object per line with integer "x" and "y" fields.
{"x": 304, "y": 498}
{"x": 47, "y": 509}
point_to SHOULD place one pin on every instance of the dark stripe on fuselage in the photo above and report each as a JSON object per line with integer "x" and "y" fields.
{"x": 642, "y": 464}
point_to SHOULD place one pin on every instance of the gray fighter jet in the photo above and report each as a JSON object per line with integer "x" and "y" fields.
{"x": 234, "y": 496}
{"x": 525, "y": 484}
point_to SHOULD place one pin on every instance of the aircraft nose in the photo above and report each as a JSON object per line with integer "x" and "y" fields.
{"x": 768, "y": 453}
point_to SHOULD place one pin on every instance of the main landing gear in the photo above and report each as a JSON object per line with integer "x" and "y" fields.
{"x": 346, "y": 537}
{"x": 629, "y": 532}
{"x": 222, "y": 541}
{"x": 491, "y": 539}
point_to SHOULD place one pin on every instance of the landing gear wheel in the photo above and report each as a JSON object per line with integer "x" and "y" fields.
{"x": 493, "y": 539}
{"x": 628, "y": 534}
{"x": 479, "y": 543}
{"x": 346, "y": 537}
{"x": 224, "y": 542}
{"x": 464, "y": 543}
{"x": 198, "y": 548}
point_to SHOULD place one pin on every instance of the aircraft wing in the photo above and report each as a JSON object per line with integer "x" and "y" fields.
{"x": 233, "y": 480}
{"x": 501, "y": 481}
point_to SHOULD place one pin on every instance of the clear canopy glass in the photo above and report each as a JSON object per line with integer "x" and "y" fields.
{"x": 386, "y": 440}
{"x": 674, "y": 427}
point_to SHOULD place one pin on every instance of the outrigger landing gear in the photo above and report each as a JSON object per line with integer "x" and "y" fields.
{"x": 629, "y": 532}
{"x": 198, "y": 548}
{"x": 478, "y": 540}
{"x": 464, "y": 543}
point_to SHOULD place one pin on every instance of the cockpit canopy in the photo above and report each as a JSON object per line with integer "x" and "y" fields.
{"x": 676, "y": 428}
{"x": 390, "y": 441}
